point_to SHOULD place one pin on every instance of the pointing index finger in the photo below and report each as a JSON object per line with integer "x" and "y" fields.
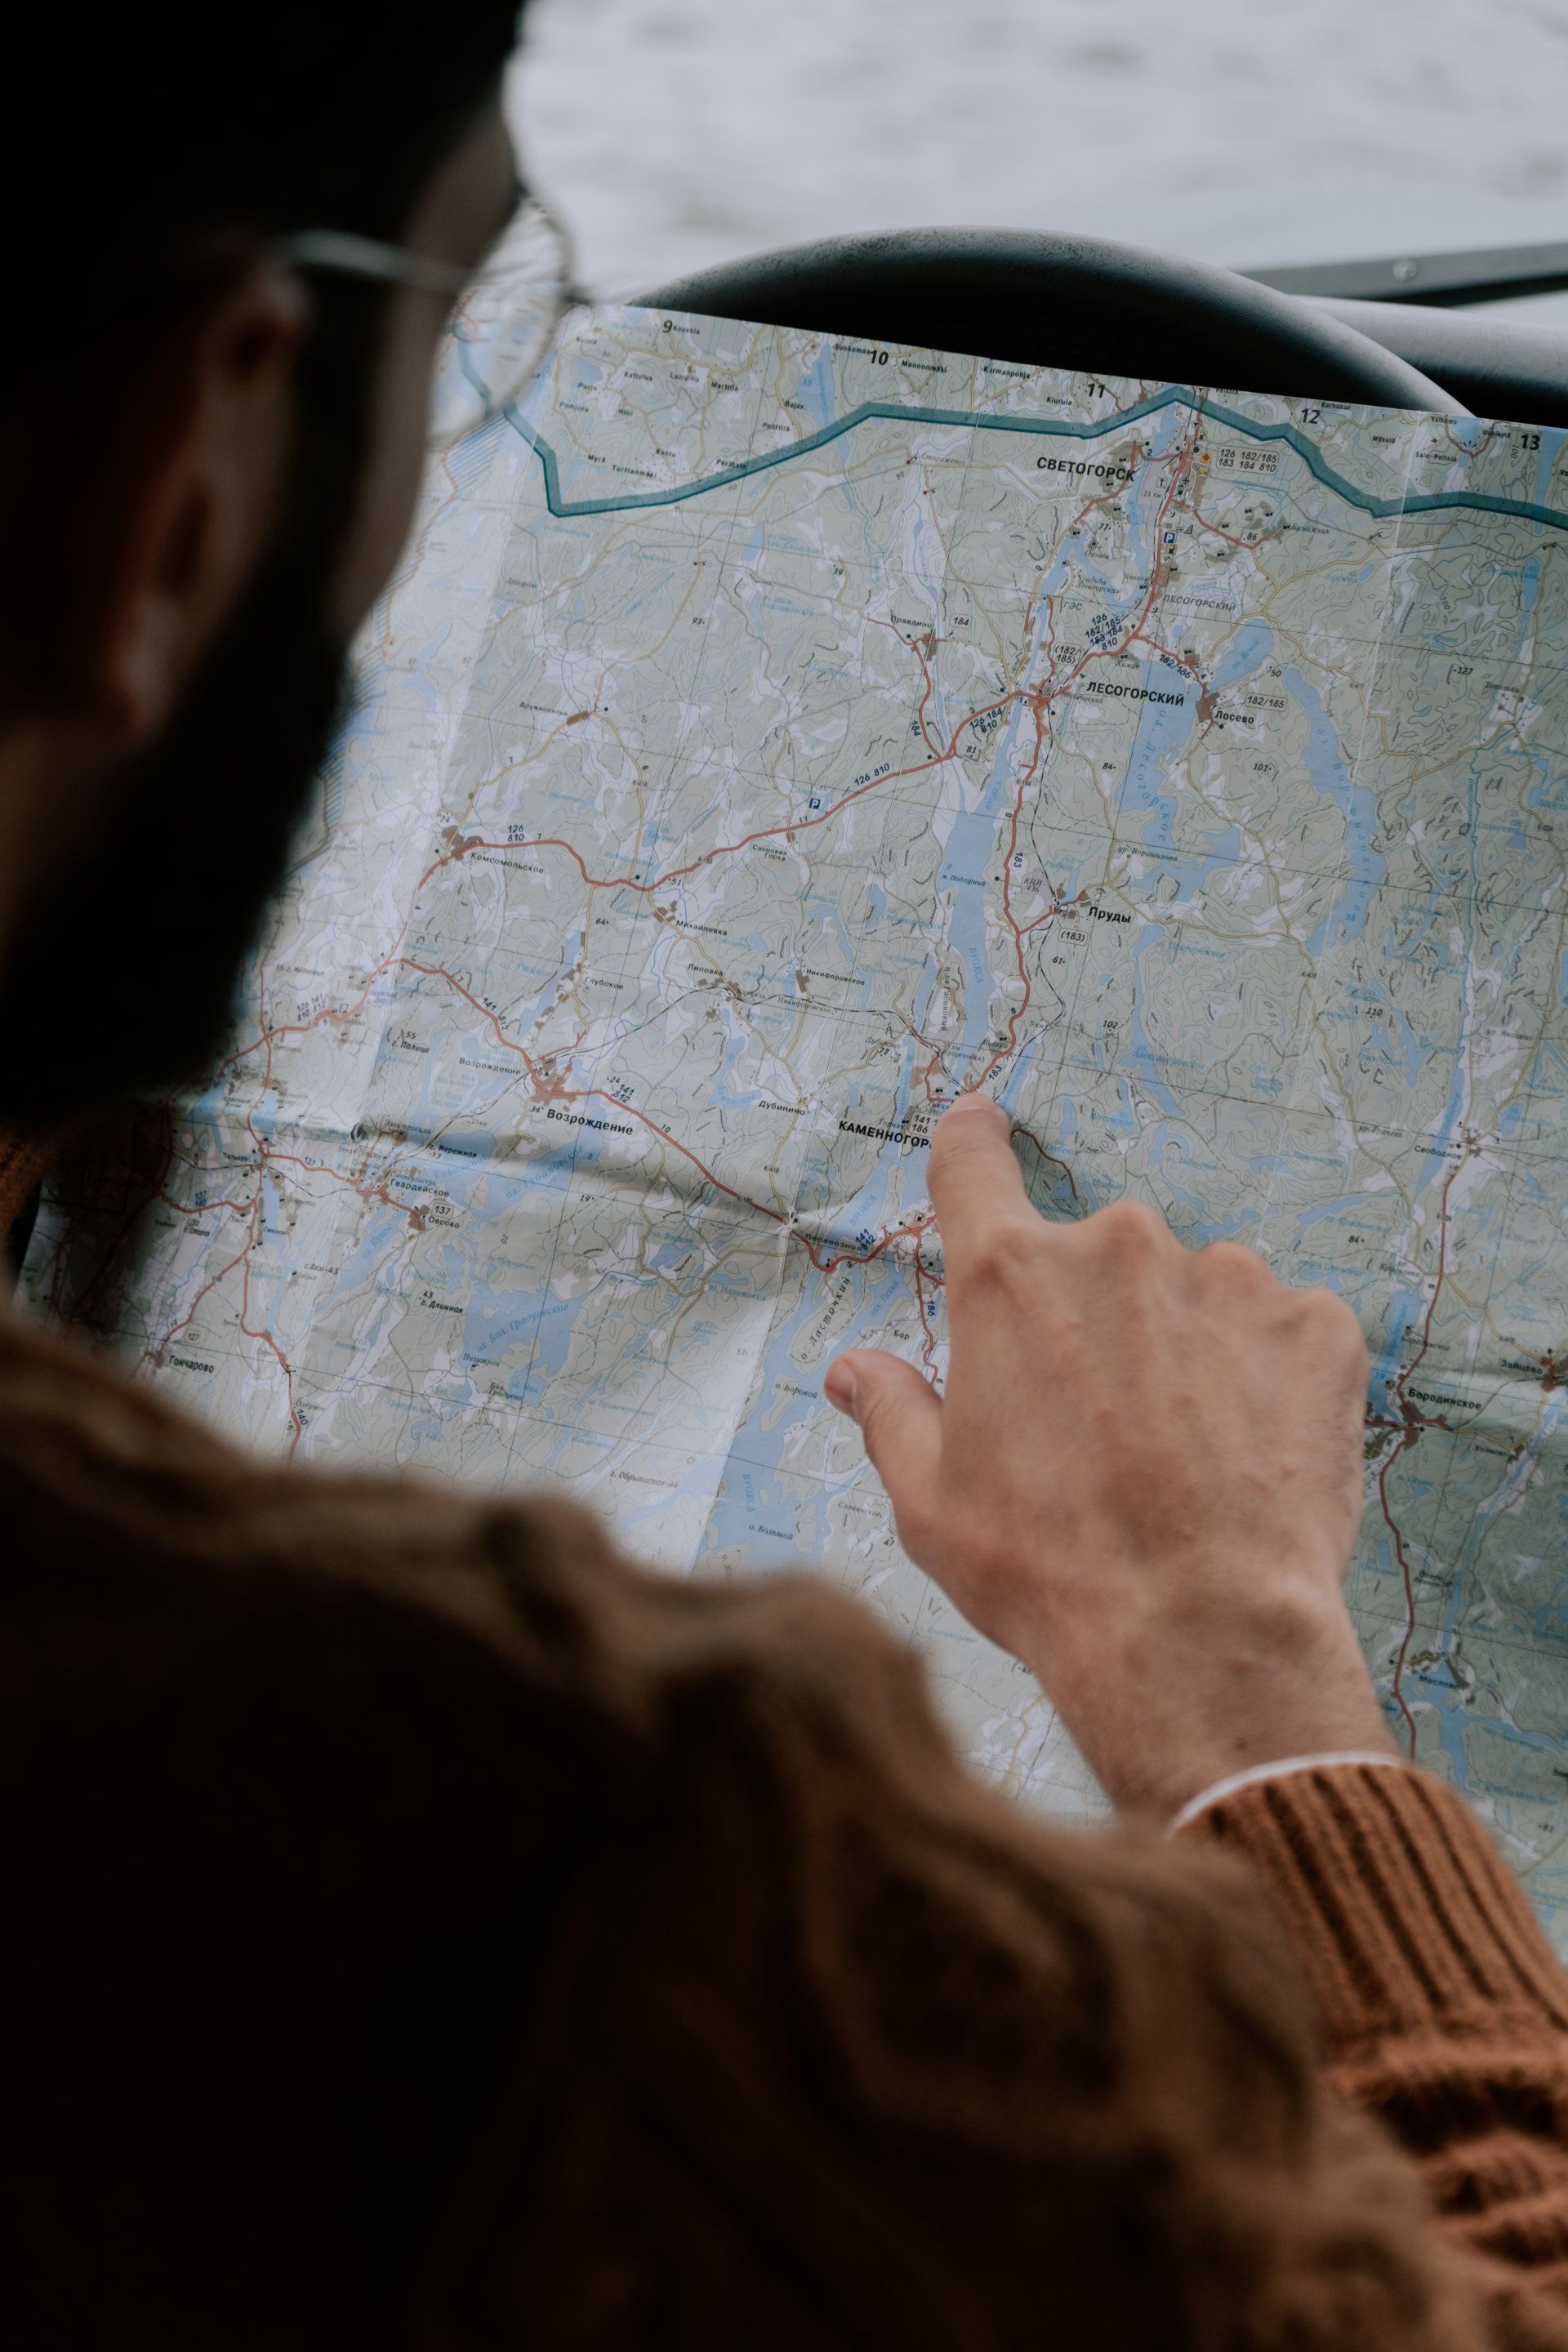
{"x": 976, "y": 1182}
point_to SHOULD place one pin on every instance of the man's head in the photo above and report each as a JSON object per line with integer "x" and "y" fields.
{"x": 208, "y": 465}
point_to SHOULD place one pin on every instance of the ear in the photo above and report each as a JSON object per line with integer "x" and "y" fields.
{"x": 196, "y": 511}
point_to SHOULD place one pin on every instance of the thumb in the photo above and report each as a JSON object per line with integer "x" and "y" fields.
{"x": 898, "y": 1414}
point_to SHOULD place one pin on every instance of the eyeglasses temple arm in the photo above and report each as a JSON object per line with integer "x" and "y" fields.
{"x": 366, "y": 257}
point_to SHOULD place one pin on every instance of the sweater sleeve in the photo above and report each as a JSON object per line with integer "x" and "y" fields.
{"x": 1444, "y": 2009}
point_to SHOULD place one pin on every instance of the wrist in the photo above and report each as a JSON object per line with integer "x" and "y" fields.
{"x": 1284, "y": 1768}
{"x": 1197, "y": 1697}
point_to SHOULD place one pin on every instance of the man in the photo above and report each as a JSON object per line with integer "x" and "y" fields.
{"x": 421, "y": 1928}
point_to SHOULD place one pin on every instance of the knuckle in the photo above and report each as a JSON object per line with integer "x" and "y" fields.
{"x": 1234, "y": 1267}
{"x": 1006, "y": 1251}
{"x": 1128, "y": 1229}
{"x": 1338, "y": 1326}
{"x": 1322, "y": 1321}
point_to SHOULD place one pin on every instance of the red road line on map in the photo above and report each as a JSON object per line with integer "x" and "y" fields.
{"x": 155, "y": 1355}
{"x": 1019, "y": 1010}
{"x": 265, "y": 1337}
{"x": 204, "y": 1208}
{"x": 546, "y": 1090}
{"x": 917, "y": 645}
{"x": 1039, "y": 700}
{"x": 788, "y": 827}
{"x": 1393, "y": 1526}
{"x": 543, "y": 1090}
{"x": 271, "y": 1158}
{"x": 242, "y": 1260}
{"x": 928, "y": 1337}
{"x": 1051, "y": 1160}
{"x": 1410, "y": 1424}
{"x": 1191, "y": 507}
{"x": 1416, "y": 1361}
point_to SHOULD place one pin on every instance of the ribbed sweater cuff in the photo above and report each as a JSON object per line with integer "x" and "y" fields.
{"x": 1403, "y": 1910}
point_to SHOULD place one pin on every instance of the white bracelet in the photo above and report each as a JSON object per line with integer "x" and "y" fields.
{"x": 1286, "y": 1764}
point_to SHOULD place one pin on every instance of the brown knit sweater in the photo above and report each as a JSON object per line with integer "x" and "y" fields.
{"x": 418, "y": 1928}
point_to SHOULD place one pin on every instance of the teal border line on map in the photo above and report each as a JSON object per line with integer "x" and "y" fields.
{"x": 1054, "y": 428}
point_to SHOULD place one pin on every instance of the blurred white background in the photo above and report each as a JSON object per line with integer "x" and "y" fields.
{"x": 671, "y": 133}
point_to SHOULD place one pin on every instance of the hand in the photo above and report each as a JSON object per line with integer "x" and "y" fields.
{"x": 1145, "y": 1479}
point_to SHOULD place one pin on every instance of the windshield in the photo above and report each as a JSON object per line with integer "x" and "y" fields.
{"x": 676, "y": 134}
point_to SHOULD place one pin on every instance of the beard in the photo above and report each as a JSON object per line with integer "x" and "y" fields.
{"x": 120, "y": 979}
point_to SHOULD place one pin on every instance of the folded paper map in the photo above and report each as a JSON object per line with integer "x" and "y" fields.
{"x": 770, "y": 736}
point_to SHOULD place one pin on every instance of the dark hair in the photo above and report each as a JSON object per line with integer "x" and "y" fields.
{"x": 141, "y": 162}
{"x": 131, "y": 127}
{"x": 136, "y": 136}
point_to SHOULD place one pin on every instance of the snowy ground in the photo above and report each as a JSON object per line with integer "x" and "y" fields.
{"x": 672, "y": 133}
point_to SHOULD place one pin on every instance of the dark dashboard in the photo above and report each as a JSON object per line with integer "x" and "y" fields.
{"x": 1424, "y": 308}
